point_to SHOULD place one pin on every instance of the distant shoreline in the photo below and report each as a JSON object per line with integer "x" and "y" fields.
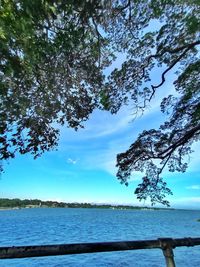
{"x": 96, "y": 207}
{"x": 55, "y": 204}
{"x": 12, "y": 204}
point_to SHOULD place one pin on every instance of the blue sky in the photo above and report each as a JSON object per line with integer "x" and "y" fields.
{"x": 83, "y": 167}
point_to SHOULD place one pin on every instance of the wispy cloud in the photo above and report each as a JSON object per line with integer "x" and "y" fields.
{"x": 106, "y": 124}
{"x": 193, "y": 187}
{"x": 189, "y": 200}
{"x": 71, "y": 161}
{"x": 186, "y": 202}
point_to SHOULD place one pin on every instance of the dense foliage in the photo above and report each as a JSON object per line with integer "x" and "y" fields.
{"x": 50, "y": 71}
{"x": 52, "y": 57}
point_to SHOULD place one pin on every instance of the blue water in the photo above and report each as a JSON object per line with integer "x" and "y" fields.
{"x": 57, "y": 226}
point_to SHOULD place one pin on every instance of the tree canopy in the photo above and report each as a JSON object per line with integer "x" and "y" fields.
{"x": 50, "y": 71}
{"x": 53, "y": 57}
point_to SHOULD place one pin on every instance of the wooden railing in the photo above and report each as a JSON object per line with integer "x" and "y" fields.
{"x": 165, "y": 244}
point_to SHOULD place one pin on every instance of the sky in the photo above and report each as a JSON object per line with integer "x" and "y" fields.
{"x": 83, "y": 167}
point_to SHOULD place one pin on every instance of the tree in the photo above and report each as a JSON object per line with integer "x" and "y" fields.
{"x": 162, "y": 35}
{"x": 53, "y": 54}
{"x": 50, "y": 69}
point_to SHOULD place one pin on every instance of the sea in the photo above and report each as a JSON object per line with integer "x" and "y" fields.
{"x": 42, "y": 226}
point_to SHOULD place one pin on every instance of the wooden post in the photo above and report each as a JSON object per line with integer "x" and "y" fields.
{"x": 169, "y": 257}
{"x": 167, "y": 249}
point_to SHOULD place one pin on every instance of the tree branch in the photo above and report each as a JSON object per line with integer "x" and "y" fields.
{"x": 180, "y": 142}
{"x": 172, "y": 51}
{"x": 122, "y": 8}
{"x": 187, "y": 47}
{"x": 99, "y": 37}
{"x": 168, "y": 69}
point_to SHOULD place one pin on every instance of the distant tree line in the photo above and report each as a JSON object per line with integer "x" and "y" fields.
{"x": 26, "y": 203}
{"x": 16, "y": 202}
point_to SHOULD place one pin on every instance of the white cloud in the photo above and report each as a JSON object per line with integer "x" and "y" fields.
{"x": 71, "y": 161}
{"x": 193, "y": 187}
{"x": 100, "y": 124}
{"x": 103, "y": 123}
{"x": 189, "y": 200}
{"x": 186, "y": 202}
